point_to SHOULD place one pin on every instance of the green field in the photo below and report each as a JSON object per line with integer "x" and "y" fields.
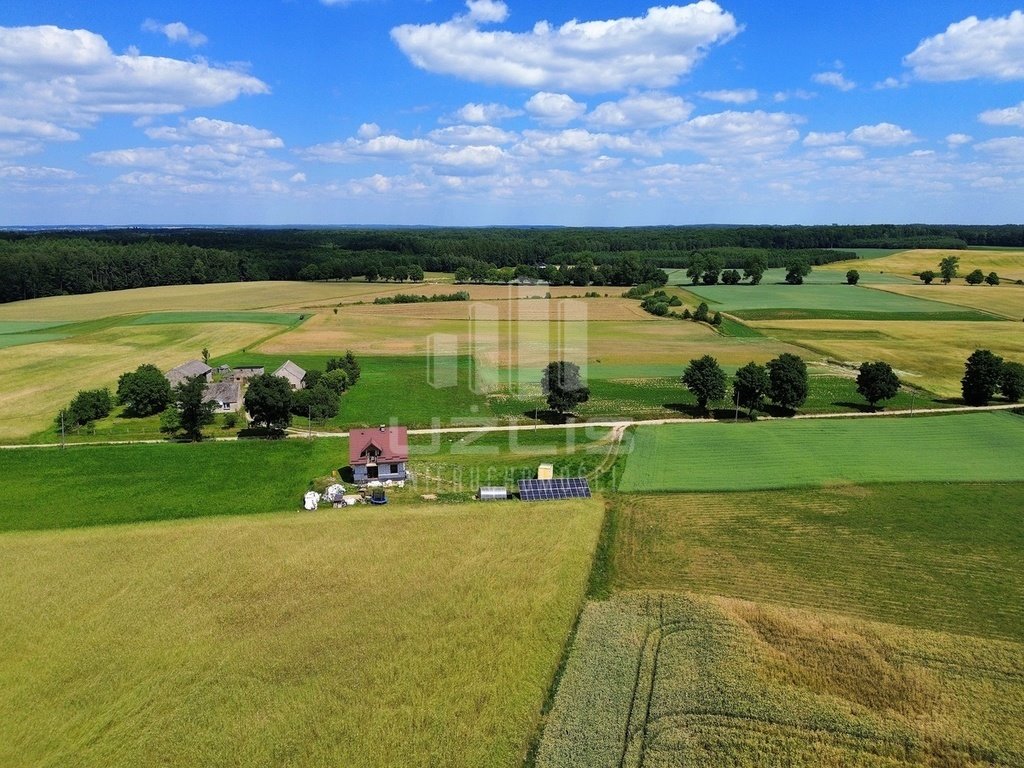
{"x": 671, "y": 680}
{"x": 947, "y": 557}
{"x": 369, "y": 637}
{"x": 790, "y": 454}
{"x": 266, "y": 318}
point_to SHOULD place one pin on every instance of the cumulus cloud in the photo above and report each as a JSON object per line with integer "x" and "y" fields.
{"x": 958, "y": 139}
{"x": 477, "y": 135}
{"x": 735, "y": 96}
{"x": 203, "y": 162}
{"x": 834, "y": 80}
{"x": 640, "y": 110}
{"x": 882, "y": 135}
{"x": 70, "y": 78}
{"x": 972, "y": 48}
{"x": 1010, "y": 116}
{"x": 554, "y": 108}
{"x": 731, "y": 134}
{"x": 652, "y": 51}
{"x": 1010, "y": 148}
{"x": 799, "y": 93}
{"x": 816, "y": 139}
{"x": 36, "y": 129}
{"x": 368, "y": 131}
{"x": 889, "y": 83}
{"x": 577, "y": 141}
{"x": 485, "y": 113}
{"x": 176, "y": 32}
{"x": 217, "y": 131}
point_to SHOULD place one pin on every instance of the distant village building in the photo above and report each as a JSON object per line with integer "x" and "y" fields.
{"x": 292, "y": 373}
{"x": 189, "y": 370}
{"x": 246, "y": 372}
{"x": 378, "y": 454}
{"x": 226, "y": 394}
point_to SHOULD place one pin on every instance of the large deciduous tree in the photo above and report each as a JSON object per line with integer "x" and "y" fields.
{"x": 706, "y": 380}
{"x": 796, "y": 270}
{"x": 982, "y": 375}
{"x": 1011, "y": 381}
{"x": 877, "y": 382}
{"x": 788, "y": 376}
{"x": 87, "y": 406}
{"x": 144, "y": 391}
{"x": 563, "y": 387}
{"x": 194, "y": 410}
{"x": 750, "y": 385}
{"x": 948, "y": 268}
{"x": 755, "y": 268}
{"x": 268, "y": 401}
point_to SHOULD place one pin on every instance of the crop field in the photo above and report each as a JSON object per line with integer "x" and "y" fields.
{"x": 36, "y": 380}
{"x": 769, "y": 301}
{"x": 396, "y": 636}
{"x": 1007, "y": 263}
{"x": 927, "y": 354}
{"x": 790, "y": 454}
{"x": 947, "y": 556}
{"x": 195, "y": 318}
{"x": 1006, "y": 299}
{"x": 668, "y": 680}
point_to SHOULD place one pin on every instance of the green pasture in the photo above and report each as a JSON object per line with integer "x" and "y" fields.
{"x": 20, "y": 339}
{"x": 659, "y": 679}
{"x": 360, "y": 637}
{"x": 262, "y": 318}
{"x": 789, "y": 454}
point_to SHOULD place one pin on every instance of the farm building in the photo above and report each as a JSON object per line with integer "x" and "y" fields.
{"x": 378, "y": 454}
{"x": 246, "y": 372}
{"x": 226, "y": 394}
{"x": 292, "y": 373}
{"x": 189, "y": 370}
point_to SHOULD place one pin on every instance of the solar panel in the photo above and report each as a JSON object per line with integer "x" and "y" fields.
{"x": 559, "y": 488}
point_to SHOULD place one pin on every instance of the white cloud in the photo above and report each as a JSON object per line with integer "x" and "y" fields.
{"x": 1010, "y": 116}
{"x": 652, "y": 51}
{"x": 889, "y": 83}
{"x": 576, "y": 141}
{"x": 799, "y": 93}
{"x": 958, "y": 139}
{"x": 71, "y": 78}
{"x": 298, "y": 178}
{"x": 468, "y": 160}
{"x": 972, "y": 48}
{"x": 205, "y": 162}
{"x": 35, "y": 173}
{"x": 1010, "y": 148}
{"x": 845, "y": 153}
{"x": 176, "y": 32}
{"x": 217, "y": 131}
{"x": 735, "y": 96}
{"x": 487, "y": 11}
{"x": 485, "y": 113}
{"x": 731, "y": 134}
{"x": 640, "y": 110}
{"x": 368, "y": 131}
{"x": 882, "y": 135}
{"x": 816, "y": 139}
{"x": 477, "y": 135}
{"x": 35, "y": 129}
{"x": 834, "y": 80}
{"x": 554, "y": 108}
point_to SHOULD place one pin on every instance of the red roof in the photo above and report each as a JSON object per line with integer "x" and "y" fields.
{"x": 391, "y": 442}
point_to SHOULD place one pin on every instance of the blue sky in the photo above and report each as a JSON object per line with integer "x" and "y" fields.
{"x": 447, "y": 112}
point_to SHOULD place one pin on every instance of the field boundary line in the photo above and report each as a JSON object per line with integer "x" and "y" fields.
{"x": 295, "y": 433}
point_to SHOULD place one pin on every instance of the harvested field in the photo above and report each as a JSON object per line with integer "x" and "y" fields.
{"x": 1006, "y": 299}
{"x": 1006, "y": 263}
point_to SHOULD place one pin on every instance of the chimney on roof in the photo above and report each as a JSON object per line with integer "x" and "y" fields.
{"x": 383, "y": 428}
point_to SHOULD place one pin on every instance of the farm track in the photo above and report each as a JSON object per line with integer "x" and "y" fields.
{"x": 296, "y": 433}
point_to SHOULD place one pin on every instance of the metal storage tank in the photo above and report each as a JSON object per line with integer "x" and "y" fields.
{"x": 493, "y": 493}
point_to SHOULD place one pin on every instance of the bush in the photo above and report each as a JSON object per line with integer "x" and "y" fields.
{"x": 992, "y": 278}
{"x": 88, "y": 406}
{"x": 230, "y": 420}
{"x": 853, "y": 277}
{"x": 717, "y": 319}
{"x": 731, "y": 277}
{"x": 977, "y": 277}
{"x": 701, "y": 315}
{"x": 927, "y": 276}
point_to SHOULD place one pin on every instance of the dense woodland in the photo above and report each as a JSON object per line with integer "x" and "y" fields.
{"x": 49, "y": 263}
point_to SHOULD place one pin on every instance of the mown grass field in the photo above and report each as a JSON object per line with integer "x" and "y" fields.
{"x": 1006, "y": 299}
{"x": 265, "y": 318}
{"x": 668, "y": 680}
{"x": 792, "y": 454}
{"x": 371, "y": 637}
{"x": 1007, "y": 263}
{"x": 947, "y": 556}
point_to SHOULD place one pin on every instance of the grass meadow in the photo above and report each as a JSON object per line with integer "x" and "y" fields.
{"x": 984, "y": 446}
{"x": 1006, "y": 299}
{"x": 670, "y": 679}
{"x": 370, "y": 637}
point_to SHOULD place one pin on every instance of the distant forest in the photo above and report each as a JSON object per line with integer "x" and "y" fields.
{"x": 51, "y": 263}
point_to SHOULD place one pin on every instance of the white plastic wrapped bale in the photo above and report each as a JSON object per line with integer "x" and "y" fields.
{"x": 311, "y": 500}
{"x": 335, "y": 492}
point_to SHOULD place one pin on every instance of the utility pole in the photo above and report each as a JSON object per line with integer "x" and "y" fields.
{"x": 62, "y": 430}
{"x": 309, "y": 418}
{"x": 736, "y": 415}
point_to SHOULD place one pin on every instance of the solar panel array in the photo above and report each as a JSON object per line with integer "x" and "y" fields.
{"x": 559, "y": 488}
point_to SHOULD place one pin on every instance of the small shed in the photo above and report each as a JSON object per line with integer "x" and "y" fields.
{"x": 546, "y": 472}
{"x": 492, "y": 493}
{"x": 293, "y": 374}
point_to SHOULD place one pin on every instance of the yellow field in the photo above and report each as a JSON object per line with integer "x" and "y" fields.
{"x": 394, "y": 637}
{"x": 37, "y": 380}
{"x": 927, "y": 354}
{"x": 1007, "y": 264}
{"x": 1006, "y": 299}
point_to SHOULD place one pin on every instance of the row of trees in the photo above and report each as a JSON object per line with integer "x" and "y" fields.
{"x": 949, "y": 270}
{"x": 782, "y": 381}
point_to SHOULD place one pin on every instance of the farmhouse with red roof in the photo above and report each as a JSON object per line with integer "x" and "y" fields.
{"x": 378, "y": 454}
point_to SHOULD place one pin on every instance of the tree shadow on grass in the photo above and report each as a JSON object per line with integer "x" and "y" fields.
{"x": 694, "y": 412}
{"x": 859, "y": 407}
{"x": 548, "y": 416}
